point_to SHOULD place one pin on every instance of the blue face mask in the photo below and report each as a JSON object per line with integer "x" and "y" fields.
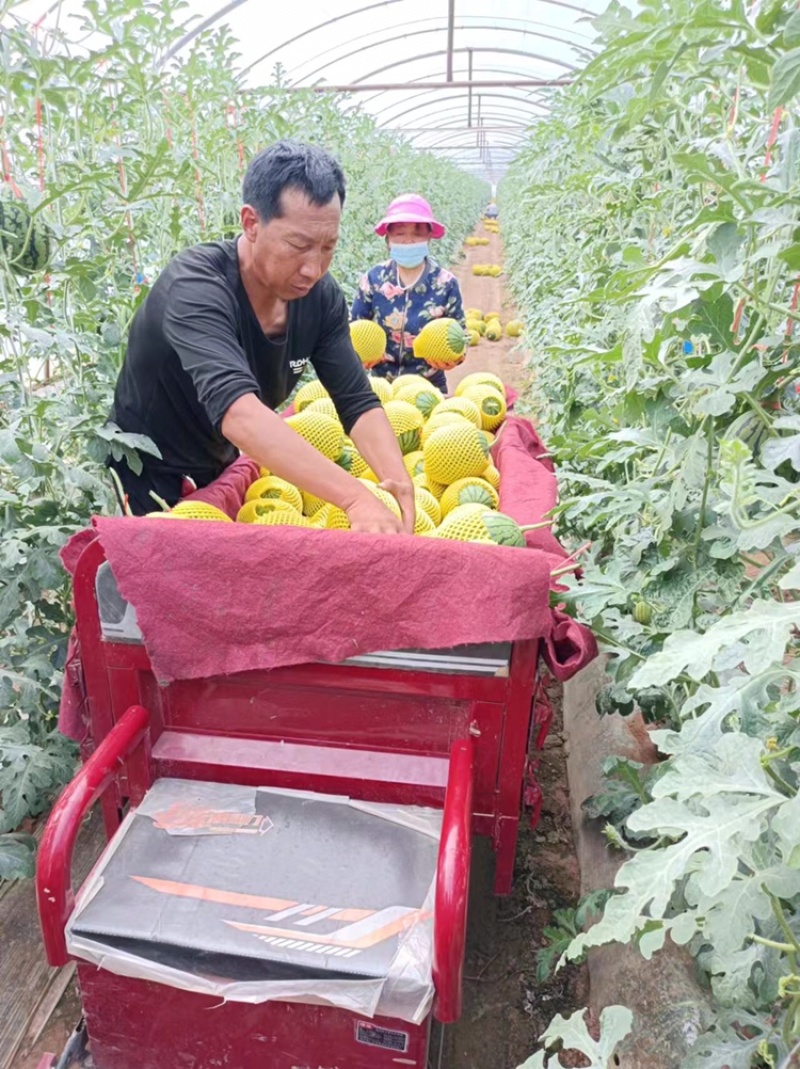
{"x": 409, "y": 255}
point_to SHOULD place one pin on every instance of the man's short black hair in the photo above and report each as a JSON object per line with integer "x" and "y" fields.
{"x": 291, "y": 165}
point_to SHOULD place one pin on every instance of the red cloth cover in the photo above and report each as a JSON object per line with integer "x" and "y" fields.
{"x": 217, "y": 599}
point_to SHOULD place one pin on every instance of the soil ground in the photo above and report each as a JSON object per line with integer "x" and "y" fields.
{"x": 505, "y": 1008}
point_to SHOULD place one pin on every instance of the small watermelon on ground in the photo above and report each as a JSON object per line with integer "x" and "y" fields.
{"x": 494, "y": 332}
{"x": 474, "y": 337}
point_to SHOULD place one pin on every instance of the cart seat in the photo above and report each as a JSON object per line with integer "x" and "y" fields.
{"x": 260, "y": 885}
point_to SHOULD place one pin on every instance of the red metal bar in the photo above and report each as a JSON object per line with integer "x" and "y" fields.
{"x": 54, "y": 892}
{"x": 452, "y": 884}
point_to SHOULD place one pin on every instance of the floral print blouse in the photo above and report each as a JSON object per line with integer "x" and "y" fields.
{"x": 404, "y": 312}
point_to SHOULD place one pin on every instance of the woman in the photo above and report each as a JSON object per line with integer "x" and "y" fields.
{"x": 409, "y": 289}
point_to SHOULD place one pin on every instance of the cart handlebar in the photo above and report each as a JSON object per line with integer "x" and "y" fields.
{"x": 54, "y": 893}
{"x": 452, "y": 883}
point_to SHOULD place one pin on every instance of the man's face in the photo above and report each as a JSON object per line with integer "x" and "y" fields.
{"x": 292, "y": 252}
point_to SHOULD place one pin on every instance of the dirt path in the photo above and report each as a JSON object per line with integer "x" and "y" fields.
{"x": 506, "y": 1008}
{"x": 506, "y": 357}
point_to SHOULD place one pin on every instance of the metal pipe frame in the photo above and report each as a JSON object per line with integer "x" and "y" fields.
{"x": 435, "y": 98}
{"x": 492, "y": 116}
{"x": 441, "y": 130}
{"x": 511, "y": 72}
{"x": 425, "y": 55}
{"x": 385, "y": 3}
{"x": 389, "y": 87}
{"x": 578, "y": 46}
{"x": 451, "y": 12}
{"x": 495, "y": 96}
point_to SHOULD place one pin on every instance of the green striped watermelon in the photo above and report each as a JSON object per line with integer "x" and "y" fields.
{"x": 24, "y": 239}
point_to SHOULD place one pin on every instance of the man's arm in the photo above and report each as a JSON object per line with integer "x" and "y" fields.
{"x": 263, "y": 435}
{"x": 376, "y": 442}
{"x": 201, "y": 326}
{"x": 343, "y": 376}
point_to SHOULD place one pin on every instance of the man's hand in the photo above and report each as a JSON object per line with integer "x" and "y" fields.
{"x": 368, "y": 513}
{"x": 403, "y": 493}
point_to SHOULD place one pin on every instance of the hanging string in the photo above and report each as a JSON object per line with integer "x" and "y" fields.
{"x": 8, "y": 178}
{"x": 167, "y": 123}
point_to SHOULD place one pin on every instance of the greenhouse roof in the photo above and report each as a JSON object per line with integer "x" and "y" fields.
{"x": 463, "y": 78}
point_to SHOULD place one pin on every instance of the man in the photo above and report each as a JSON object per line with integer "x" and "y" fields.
{"x": 225, "y": 333}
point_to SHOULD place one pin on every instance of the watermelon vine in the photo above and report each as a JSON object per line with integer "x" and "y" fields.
{"x": 653, "y": 238}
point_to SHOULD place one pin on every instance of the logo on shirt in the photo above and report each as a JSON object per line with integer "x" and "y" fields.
{"x": 297, "y": 366}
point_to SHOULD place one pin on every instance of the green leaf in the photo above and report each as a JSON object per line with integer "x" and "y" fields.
{"x": 722, "y": 799}
{"x": 785, "y": 79}
{"x": 791, "y": 31}
{"x": 17, "y": 854}
{"x": 615, "y": 1025}
{"x": 760, "y": 633}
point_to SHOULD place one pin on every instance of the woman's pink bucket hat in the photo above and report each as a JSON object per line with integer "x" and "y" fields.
{"x": 410, "y": 208}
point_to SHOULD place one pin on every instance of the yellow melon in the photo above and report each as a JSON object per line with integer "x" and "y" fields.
{"x": 463, "y": 406}
{"x": 455, "y": 451}
{"x": 324, "y": 433}
{"x": 492, "y": 476}
{"x": 480, "y": 378}
{"x": 369, "y": 341}
{"x": 259, "y": 506}
{"x": 424, "y": 482}
{"x": 473, "y": 490}
{"x": 441, "y": 343}
{"x": 194, "y": 510}
{"x": 273, "y": 488}
{"x": 310, "y": 391}
{"x": 490, "y": 403}
{"x": 427, "y": 502}
{"x": 407, "y": 422}
{"x": 423, "y": 397}
{"x": 382, "y": 388}
{"x": 324, "y": 405}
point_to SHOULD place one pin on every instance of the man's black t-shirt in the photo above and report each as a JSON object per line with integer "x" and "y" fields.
{"x": 196, "y": 345}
